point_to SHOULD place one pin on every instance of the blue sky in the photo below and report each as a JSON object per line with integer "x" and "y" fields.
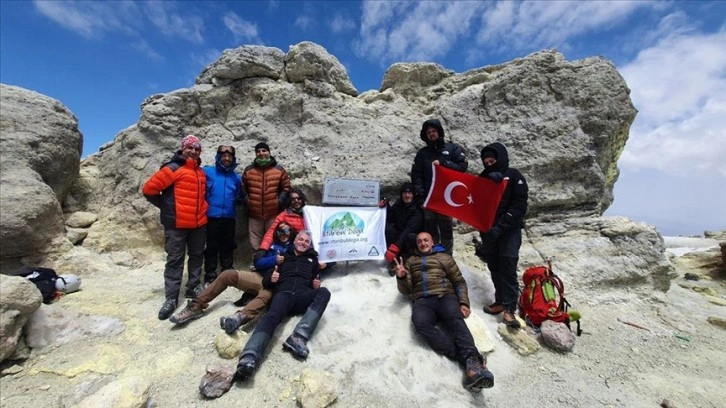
{"x": 102, "y": 59}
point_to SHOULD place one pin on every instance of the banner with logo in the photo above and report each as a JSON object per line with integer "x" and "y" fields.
{"x": 466, "y": 197}
{"x": 347, "y": 233}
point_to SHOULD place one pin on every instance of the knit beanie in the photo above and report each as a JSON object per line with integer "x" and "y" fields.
{"x": 262, "y": 145}
{"x": 191, "y": 140}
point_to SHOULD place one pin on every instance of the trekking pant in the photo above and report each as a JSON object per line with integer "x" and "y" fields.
{"x": 292, "y": 303}
{"x": 250, "y": 282}
{"x": 445, "y": 310}
{"x": 257, "y": 229}
{"x": 176, "y": 243}
{"x": 502, "y": 258}
{"x": 221, "y": 243}
{"x": 441, "y": 228}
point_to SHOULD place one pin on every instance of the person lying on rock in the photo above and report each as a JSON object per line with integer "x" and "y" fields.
{"x": 248, "y": 282}
{"x": 432, "y": 280}
{"x": 296, "y": 290}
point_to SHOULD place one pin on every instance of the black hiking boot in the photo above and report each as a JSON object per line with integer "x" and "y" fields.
{"x": 297, "y": 345}
{"x": 246, "y": 367}
{"x": 231, "y": 323}
{"x": 477, "y": 376}
{"x": 167, "y": 309}
{"x": 246, "y": 298}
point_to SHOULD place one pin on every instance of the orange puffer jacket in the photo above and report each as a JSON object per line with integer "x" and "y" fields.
{"x": 179, "y": 189}
{"x": 264, "y": 189}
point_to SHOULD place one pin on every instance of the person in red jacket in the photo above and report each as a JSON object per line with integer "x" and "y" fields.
{"x": 178, "y": 189}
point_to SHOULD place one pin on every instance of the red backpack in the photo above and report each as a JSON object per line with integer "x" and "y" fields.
{"x": 543, "y": 297}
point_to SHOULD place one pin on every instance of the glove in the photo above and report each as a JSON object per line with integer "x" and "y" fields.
{"x": 382, "y": 203}
{"x": 479, "y": 249}
{"x": 391, "y": 253}
{"x": 496, "y": 176}
{"x": 492, "y": 235}
{"x": 506, "y": 220}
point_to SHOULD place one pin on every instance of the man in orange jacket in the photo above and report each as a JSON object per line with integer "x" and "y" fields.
{"x": 178, "y": 189}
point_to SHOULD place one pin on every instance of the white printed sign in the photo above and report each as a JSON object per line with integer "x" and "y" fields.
{"x": 350, "y": 192}
{"x": 347, "y": 233}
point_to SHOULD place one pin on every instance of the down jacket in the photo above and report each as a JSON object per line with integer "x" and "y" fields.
{"x": 179, "y": 189}
{"x": 433, "y": 274}
{"x": 289, "y": 216}
{"x": 223, "y": 189}
{"x": 264, "y": 189}
{"x": 514, "y": 198}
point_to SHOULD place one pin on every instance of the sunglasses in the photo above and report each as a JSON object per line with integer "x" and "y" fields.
{"x": 283, "y": 230}
{"x": 225, "y": 149}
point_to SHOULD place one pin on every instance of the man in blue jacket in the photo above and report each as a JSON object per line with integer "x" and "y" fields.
{"x": 223, "y": 190}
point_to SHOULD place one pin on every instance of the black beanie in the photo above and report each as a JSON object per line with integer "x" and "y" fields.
{"x": 406, "y": 187}
{"x": 262, "y": 145}
{"x": 488, "y": 153}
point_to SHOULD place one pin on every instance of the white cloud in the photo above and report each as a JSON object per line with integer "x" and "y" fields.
{"x": 340, "y": 23}
{"x": 413, "y": 31}
{"x": 544, "y": 24}
{"x": 91, "y": 19}
{"x": 146, "y": 49}
{"x": 241, "y": 28}
{"x": 303, "y": 22}
{"x": 172, "y": 24}
{"x": 679, "y": 88}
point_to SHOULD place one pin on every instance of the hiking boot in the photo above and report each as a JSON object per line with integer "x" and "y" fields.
{"x": 246, "y": 367}
{"x": 509, "y": 319}
{"x": 192, "y": 311}
{"x": 231, "y": 323}
{"x": 494, "y": 309}
{"x": 167, "y": 309}
{"x": 246, "y": 298}
{"x": 477, "y": 375}
{"x": 296, "y": 344}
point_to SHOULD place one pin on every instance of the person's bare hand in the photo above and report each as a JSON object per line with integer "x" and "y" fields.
{"x": 436, "y": 162}
{"x": 280, "y": 259}
{"x": 465, "y": 311}
{"x": 316, "y": 283}
{"x": 400, "y": 268}
{"x": 275, "y": 275}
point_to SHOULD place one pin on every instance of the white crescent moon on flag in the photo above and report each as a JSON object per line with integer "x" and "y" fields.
{"x": 449, "y": 189}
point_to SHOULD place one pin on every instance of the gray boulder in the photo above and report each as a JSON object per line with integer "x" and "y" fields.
{"x": 557, "y": 336}
{"x": 41, "y": 157}
{"x": 20, "y": 299}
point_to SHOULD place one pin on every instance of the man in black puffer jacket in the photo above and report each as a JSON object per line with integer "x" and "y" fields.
{"x": 404, "y": 219}
{"x": 296, "y": 289}
{"x": 447, "y": 154}
{"x": 500, "y": 245}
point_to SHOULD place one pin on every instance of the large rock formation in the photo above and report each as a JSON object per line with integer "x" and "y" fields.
{"x": 41, "y": 150}
{"x": 564, "y": 122}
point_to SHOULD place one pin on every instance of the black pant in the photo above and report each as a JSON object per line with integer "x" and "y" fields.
{"x": 221, "y": 243}
{"x": 458, "y": 344}
{"x": 177, "y": 241}
{"x": 409, "y": 242}
{"x": 441, "y": 228}
{"x": 292, "y": 303}
{"x": 502, "y": 257}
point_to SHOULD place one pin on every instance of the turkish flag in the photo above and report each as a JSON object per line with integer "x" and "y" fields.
{"x": 466, "y": 197}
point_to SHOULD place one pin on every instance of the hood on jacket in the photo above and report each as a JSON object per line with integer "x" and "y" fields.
{"x": 218, "y": 162}
{"x": 434, "y": 123}
{"x": 500, "y": 153}
{"x": 407, "y": 186}
{"x": 434, "y": 250}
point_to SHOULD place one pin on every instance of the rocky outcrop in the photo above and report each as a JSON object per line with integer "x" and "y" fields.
{"x": 20, "y": 298}
{"x": 40, "y": 161}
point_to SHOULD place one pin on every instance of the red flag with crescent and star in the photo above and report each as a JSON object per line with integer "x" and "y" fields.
{"x": 466, "y": 197}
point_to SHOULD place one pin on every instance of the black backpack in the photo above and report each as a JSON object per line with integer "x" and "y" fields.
{"x": 44, "y": 279}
